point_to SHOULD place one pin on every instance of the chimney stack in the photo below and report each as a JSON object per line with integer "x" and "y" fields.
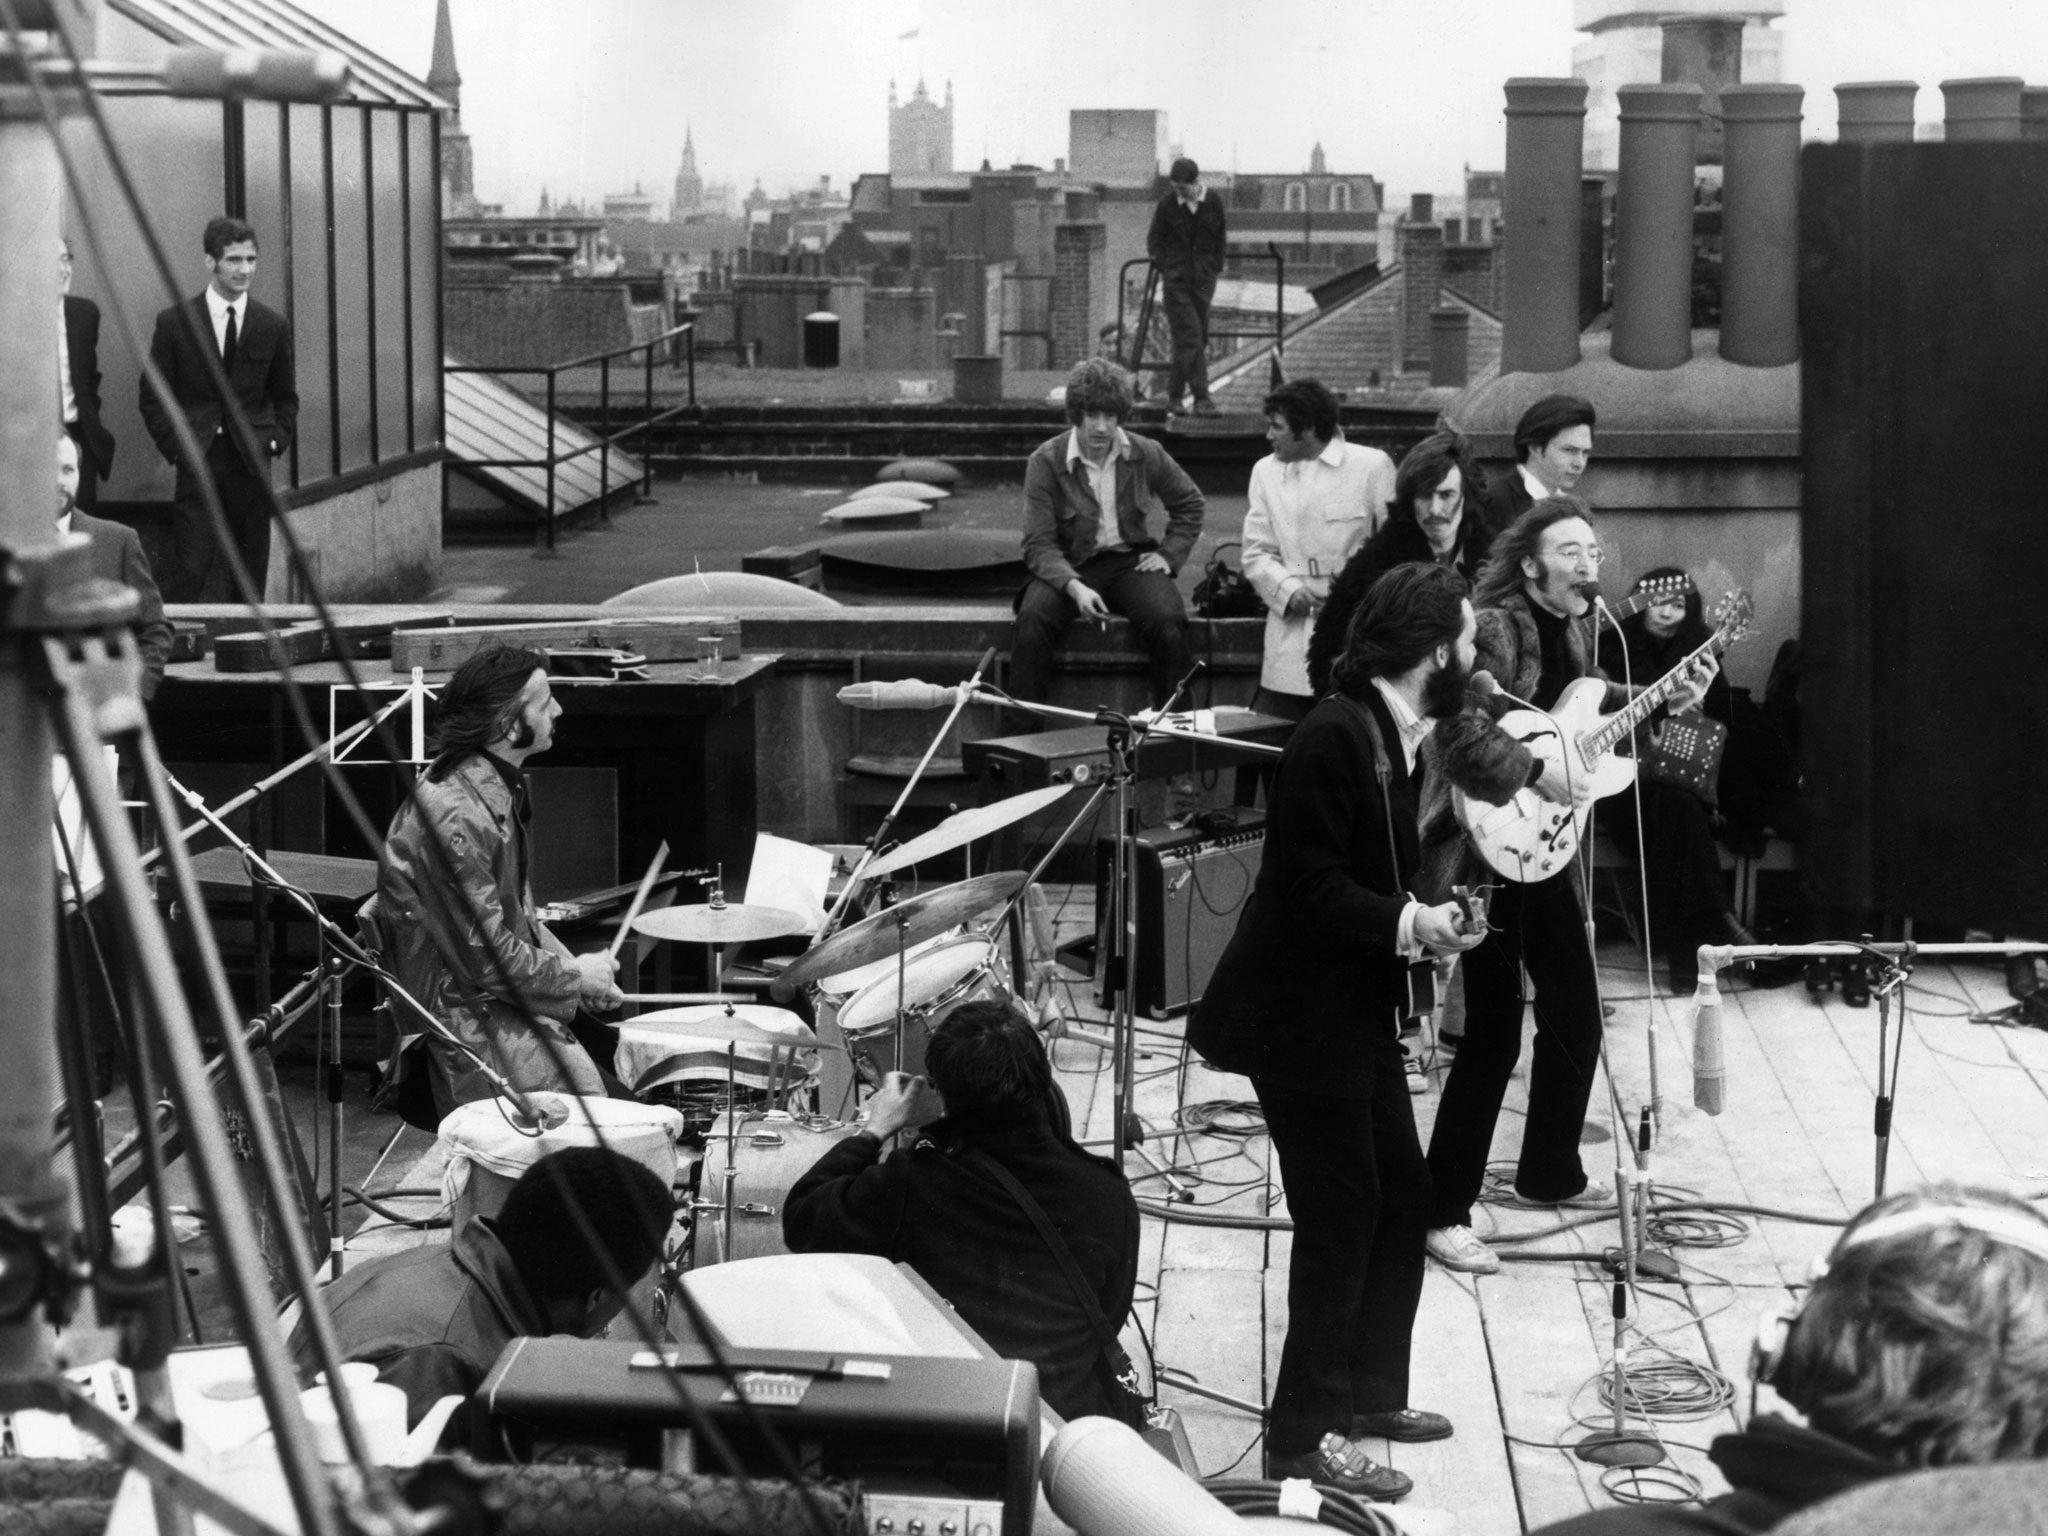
{"x": 1421, "y": 208}
{"x": 1705, "y": 51}
{"x": 1980, "y": 110}
{"x": 1875, "y": 112}
{"x": 1760, "y": 225}
{"x": 1546, "y": 126}
{"x": 1450, "y": 347}
{"x": 1653, "y": 226}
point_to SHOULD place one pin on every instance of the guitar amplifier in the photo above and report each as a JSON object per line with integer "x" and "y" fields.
{"x": 936, "y": 1444}
{"x": 1191, "y": 887}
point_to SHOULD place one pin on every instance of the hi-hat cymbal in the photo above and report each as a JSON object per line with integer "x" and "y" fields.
{"x": 730, "y": 924}
{"x": 741, "y": 1023}
{"x": 964, "y": 827}
{"x": 908, "y": 922}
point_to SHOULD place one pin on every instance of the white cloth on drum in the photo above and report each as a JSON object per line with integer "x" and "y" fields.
{"x": 478, "y": 1135}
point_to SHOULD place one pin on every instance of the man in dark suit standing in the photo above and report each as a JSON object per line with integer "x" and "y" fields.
{"x": 116, "y": 556}
{"x": 1553, "y": 444}
{"x": 1186, "y": 243}
{"x": 1308, "y": 1002}
{"x": 78, "y": 384}
{"x": 253, "y": 345}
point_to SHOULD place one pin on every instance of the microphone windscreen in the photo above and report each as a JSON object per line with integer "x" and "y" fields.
{"x": 1709, "y": 1075}
{"x": 1589, "y": 590}
{"x": 1104, "y": 1480}
{"x": 1483, "y": 683}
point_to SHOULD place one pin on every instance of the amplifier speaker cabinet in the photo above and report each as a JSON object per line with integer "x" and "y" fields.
{"x": 1192, "y": 885}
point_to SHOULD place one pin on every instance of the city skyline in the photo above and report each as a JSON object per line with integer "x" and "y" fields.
{"x": 788, "y": 90}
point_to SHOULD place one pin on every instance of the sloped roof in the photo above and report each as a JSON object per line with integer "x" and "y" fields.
{"x": 489, "y": 420}
{"x": 277, "y": 24}
{"x": 1346, "y": 345}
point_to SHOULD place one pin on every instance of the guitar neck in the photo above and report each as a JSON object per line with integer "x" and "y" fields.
{"x": 1597, "y": 743}
{"x": 1628, "y": 607}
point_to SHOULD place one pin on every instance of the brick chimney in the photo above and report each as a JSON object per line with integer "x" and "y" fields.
{"x": 1422, "y": 280}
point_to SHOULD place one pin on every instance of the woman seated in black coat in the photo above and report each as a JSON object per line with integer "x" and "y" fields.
{"x": 1438, "y": 514}
{"x": 1690, "y": 902}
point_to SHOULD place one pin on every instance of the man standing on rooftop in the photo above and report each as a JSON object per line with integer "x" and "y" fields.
{"x": 1186, "y": 245}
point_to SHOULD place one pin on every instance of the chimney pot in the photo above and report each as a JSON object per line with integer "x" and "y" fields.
{"x": 1703, "y": 50}
{"x": 1875, "y": 112}
{"x": 1760, "y": 225}
{"x": 1653, "y": 226}
{"x": 1422, "y": 208}
{"x": 1546, "y": 123}
{"x": 1981, "y": 109}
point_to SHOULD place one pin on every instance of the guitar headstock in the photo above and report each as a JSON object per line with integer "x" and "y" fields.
{"x": 1659, "y": 589}
{"x": 1732, "y": 617}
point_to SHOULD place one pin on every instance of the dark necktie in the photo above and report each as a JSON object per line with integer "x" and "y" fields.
{"x": 227, "y": 347}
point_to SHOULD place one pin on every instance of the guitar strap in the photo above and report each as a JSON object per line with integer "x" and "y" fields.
{"x": 1421, "y": 973}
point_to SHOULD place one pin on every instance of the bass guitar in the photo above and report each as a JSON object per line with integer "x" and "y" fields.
{"x": 1531, "y": 838}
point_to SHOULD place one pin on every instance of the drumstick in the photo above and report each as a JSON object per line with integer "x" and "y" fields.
{"x": 684, "y": 997}
{"x": 639, "y": 900}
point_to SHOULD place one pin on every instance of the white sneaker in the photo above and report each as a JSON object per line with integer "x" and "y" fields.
{"x": 1459, "y": 1248}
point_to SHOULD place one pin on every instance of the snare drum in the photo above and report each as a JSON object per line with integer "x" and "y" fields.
{"x": 770, "y": 1153}
{"x": 930, "y": 986}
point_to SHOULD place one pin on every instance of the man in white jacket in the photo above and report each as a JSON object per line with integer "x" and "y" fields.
{"x": 1314, "y": 499}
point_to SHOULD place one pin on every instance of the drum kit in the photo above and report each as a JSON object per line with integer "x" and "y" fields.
{"x": 878, "y": 989}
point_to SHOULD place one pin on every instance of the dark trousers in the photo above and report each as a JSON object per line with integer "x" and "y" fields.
{"x": 1358, "y": 1190}
{"x": 1689, "y": 898}
{"x": 198, "y": 570}
{"x": 1149, "y": 599}
{"x": 1253, "y": 777}
{"x": 1538, "y": 925}
{"x": 1187, "y": 323}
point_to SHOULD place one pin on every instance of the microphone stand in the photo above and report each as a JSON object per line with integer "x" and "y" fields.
{"x": 1126, "y": 738}
{"x": 969, "y": 690}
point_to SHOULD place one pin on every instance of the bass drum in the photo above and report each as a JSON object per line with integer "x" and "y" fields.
{"x": 770, "y": 1152}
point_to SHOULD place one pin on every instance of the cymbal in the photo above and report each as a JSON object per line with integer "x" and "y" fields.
{"x": 906, "y": 923}
{"x": 964, "y": 827}
{"x": 740, "y": 1023}
{"x": 731, "y": 924}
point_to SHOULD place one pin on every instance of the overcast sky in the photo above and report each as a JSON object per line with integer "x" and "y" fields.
{"x": 591, "y": 96}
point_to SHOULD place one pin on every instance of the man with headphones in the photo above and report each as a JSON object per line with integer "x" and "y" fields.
{"x": 1922, "y": 1343}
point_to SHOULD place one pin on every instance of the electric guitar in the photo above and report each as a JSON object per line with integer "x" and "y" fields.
{"x": 1651, "y": 593}
{"x": 1531, "y": 838}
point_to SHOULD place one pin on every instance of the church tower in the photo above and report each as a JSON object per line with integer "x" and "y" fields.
{"x": 920, "y": 133}
{"x": 458, "y": 167}
{"x": 689, "y": 189}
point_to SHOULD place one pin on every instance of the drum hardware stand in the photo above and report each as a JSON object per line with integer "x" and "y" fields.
{"x": 1125, "y": 739}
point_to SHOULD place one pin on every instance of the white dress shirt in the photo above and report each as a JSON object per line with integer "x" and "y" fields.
{"x": 1306, "y": 518}
{"x": 1411, "y": 728}
{"x": 1102, "y": 479}
{"x": 218, "y": 308}
{"x": 67, "y": 402}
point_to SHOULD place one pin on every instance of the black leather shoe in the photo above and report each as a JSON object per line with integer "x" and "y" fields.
{"x": 1405, "y": 1424}
{"x": 1342, "y": 1464}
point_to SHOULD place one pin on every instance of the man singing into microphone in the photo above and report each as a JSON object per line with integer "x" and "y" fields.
{"x": 1533, "y": 601}
{"x": 1308, "y": 1001}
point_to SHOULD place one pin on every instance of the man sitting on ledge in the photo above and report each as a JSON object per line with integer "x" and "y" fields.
{"x": 1089, "y": 497}
{"x": 944, "y": 1207}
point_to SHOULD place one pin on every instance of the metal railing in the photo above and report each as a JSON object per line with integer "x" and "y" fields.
{"x": 1138, "y": 362}
{"x": 681, "y": 342}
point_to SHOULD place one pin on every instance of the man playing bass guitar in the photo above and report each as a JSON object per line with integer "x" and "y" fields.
{"x": 1532, "y": 601}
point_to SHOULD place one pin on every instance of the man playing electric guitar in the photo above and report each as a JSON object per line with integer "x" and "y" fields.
{"x": 1531, "y": 603}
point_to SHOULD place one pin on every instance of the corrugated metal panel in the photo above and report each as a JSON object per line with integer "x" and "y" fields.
{"x": 277, "y": 24}
{"x": 489, "y": 420}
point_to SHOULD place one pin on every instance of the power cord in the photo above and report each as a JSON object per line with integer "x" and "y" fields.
{"x": 1246, "y": 1497}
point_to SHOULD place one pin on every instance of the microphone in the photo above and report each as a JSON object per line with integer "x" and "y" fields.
{"x": 1487, "y": 686}
{"x": 1709, "y": 1073}
{"x": 1589, "y": 590}
{"x": 907, "y": 694}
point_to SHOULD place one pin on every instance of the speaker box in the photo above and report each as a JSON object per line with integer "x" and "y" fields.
{"x": 1923, "y": 270}
{"x": 1191, "y": 887}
